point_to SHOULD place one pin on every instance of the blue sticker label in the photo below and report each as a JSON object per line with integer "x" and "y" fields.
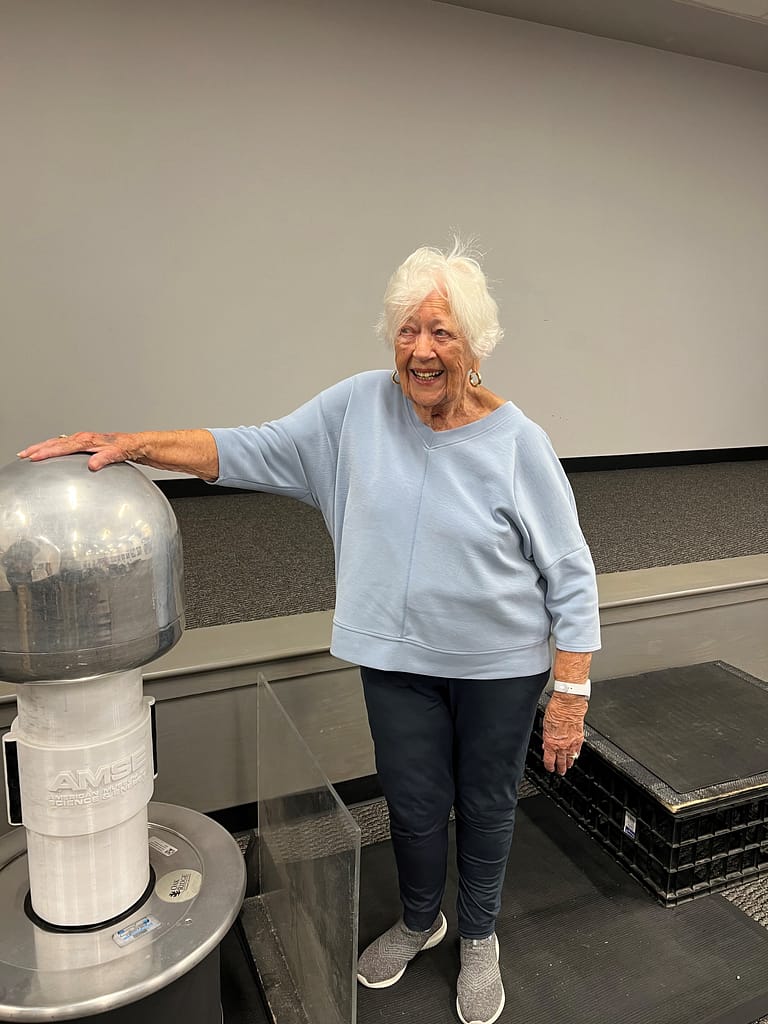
{"x": 134, "y": 931}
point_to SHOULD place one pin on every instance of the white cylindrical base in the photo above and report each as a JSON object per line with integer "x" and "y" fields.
{"x": 83, "y": 880}
{"x": 85, "y": 762}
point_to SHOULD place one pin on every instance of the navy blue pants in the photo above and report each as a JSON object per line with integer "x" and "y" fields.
{"x": 442, "y": 743}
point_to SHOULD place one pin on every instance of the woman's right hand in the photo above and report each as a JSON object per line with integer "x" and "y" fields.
{"x": 179, "y": 451}
{"x": 105, "y": 448}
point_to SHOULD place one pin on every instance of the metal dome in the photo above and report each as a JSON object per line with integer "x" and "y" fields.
{"x": 90, "y": 570}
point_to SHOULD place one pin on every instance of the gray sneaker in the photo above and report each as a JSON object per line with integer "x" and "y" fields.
{"x": 384, "y": 961}
{"x": 479, "y": 991}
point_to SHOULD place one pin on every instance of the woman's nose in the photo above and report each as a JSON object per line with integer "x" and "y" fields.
{"x": 423, "y": 347}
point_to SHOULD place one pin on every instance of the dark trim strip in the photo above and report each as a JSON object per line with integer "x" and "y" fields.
{"x": 653, "y": 460}
{"x": 246, "y": 816}
{"x": 189, "y": 487}
{"x": 237, "y": 819}
{"x": 359, "y": 791}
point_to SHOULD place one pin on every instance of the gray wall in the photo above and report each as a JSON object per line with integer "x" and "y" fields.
{"x": 203, "y": 202}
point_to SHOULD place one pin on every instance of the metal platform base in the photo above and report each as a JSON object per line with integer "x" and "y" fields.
{"x": 128, "y": 970}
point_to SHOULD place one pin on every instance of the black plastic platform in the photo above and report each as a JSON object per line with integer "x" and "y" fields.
{"x": 673, "y": 777}
{"x": 580, "y": 941}
{"x": 693, "y": 727}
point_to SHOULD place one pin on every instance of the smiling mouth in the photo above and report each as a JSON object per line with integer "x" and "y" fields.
{"x": 426, "y": 375}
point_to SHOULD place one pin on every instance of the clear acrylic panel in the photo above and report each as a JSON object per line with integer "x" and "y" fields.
{"x": 309, "y": 867}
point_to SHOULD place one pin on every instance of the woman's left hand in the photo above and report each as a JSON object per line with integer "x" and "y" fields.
{"x": 563, "y": 731}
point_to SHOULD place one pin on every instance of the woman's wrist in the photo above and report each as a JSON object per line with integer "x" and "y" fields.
{"x": 572, "y": 666}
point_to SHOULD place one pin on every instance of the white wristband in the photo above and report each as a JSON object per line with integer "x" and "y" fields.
{"x": 577, "y": 689}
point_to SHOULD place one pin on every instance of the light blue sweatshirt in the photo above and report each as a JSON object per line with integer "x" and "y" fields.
{"x": 458, "y": 552}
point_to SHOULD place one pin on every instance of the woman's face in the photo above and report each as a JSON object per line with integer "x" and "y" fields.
{"x": 433, "y": 359}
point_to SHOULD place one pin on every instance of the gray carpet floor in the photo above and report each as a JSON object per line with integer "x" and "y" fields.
{"x": 639, "y": 518}
{"x": 751, "y": 897}
{"x": 257, "y": 556}
{"x": 373, "y": 820}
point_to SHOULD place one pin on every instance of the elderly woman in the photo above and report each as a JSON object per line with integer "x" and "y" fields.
{"x": 458, "y": 556}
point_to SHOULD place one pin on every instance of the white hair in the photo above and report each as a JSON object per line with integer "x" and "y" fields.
{"x": 458, "y": 277}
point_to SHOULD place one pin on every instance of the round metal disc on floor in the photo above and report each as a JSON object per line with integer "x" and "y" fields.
{"x": 51, "y": 974}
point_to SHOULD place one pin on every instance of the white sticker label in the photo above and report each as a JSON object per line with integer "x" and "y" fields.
{"x": 134, "y": 931}
{"x": 165, "y": 848}
{"x": 630, "y": 825}
{"x": 179, "y": 886}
